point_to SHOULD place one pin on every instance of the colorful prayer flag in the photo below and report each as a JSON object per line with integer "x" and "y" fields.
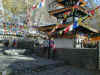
{"x": 92, "y": 12}
{"x": 75, "y": 25}
{"x": 69, "y": 28}
{"x": 41, "y": 4}
{"x": 65, "y": 16}
{"x": 33, "y": 7}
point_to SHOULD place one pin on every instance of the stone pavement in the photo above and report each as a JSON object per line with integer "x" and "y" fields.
{"x": 24, "y": 65}
{"x": 34, "y": 65}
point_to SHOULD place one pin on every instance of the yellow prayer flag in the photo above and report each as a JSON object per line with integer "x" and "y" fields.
{"x": 80, "y": 20}
{"x": 60, "y": 32}
{"x": 65, "y": 16}
{"x": 72, "y": 9}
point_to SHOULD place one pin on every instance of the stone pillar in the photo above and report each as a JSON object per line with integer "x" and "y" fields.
{"x": 10, "y": 42}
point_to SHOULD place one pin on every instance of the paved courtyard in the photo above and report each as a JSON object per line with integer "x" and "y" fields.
{"x": 34, "y": 65}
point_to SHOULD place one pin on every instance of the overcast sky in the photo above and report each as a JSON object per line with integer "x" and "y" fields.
{"x": 97, "y": 2}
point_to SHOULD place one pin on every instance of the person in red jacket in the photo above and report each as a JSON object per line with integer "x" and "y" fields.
{"x": 53, "y": 47}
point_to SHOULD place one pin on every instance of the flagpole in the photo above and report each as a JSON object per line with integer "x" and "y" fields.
{"x": 74, "y": 32}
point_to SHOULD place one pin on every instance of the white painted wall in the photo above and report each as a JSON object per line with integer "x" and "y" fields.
{"x": 64, "y": 43}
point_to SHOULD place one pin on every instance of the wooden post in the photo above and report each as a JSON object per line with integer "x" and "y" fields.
{"x": 98, "y": 56}
{"x": 74, "y": 32}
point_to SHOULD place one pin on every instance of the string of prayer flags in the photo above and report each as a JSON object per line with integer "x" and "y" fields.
{"x": 39, "y": 5}
{"x": 92, "y": 12}
{"x": 82, "y": 19}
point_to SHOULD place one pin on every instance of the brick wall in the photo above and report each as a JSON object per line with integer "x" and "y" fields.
{"x": 64, "y": 43}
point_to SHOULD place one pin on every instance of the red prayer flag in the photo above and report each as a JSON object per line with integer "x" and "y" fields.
{"x": 66, "y": 29}
{"x": 92, "y": 12}
{"x": 33, "y": 7}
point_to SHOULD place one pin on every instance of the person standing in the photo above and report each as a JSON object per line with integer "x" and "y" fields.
{"x": 45, "y": 47}
{"x": 14, "y": 43}
{"x": 53, "y": 47}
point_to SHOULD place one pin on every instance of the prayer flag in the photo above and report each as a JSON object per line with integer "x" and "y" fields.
{"x": 75, "y": 25}
{"x": 41, "y": 4}
{"x": 92, "y": 12}
{"x": 69, "y": 28}
{"x": 33, "y": 7}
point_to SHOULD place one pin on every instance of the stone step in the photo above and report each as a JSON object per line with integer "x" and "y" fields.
{"x": 16, "y": 51}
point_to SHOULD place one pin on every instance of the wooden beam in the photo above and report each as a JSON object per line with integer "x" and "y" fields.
{"x": 59, "y": 4}
{"x": 88, "y": 27}
{"x": 46, "y": 28}
{"x": 58, "y": 11}
{"x": 95, "y": 39}
{"x": 59, "y": 0}
{"x": 64, "y": 9}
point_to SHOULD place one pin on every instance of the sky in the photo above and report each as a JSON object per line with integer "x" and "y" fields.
{"x": 97, "y": 2}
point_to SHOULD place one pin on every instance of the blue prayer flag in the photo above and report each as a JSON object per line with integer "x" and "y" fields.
{"x": 75, "y": 25}
{"x": 40, "y": 5}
